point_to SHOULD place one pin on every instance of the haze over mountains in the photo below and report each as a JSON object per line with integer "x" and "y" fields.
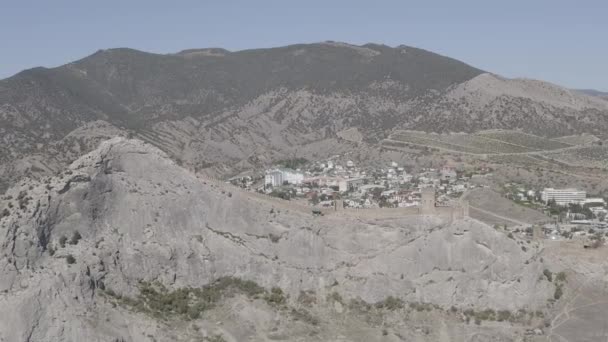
{"x": 226, "y": 111}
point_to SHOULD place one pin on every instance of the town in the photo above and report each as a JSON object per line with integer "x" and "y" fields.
{"x": 570, "y": 213}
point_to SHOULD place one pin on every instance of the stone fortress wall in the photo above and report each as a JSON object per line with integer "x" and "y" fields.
{"x": 428, "y": 205}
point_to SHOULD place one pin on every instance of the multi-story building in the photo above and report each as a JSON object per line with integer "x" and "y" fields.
{"x": 563, "y": 196}
{"x": 278, "y": 177}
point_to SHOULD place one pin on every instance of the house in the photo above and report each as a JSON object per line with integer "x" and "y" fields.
{"x": 448, "y": 174}
{"x": 350, "y": 183}
{"x": 280, "y": 176}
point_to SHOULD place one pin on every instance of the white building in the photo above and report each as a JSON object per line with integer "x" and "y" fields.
{"x": 595, "y": 202}
{"x": 278, "y": 177}
{"x": 563, "y": 196}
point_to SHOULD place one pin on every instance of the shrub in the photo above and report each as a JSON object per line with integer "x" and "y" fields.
{"x": 558, "y": 292}
{"x": 548, "y": 274}
{"x": 274, "y": 238}
{"x": 390, "y": 303}
{"x": 307, "y": 298}
{"x": 561, "y": 277}
{"x": 360, "y": 305}
{"x": 304, "y": 316}
{"x": 276, "y": 296}
{"x": 486, "y": 315}
{"x": 62, "y": 241}
{"x": 504, "y": 315}
{"x": 335, "y": 296}
{"x": 421, "y": 306}
{"x": 215, "y": 338}
{"x": 5, "y": 213}
{"x": 75, "y": 238}
{"x": 70, "y": 259}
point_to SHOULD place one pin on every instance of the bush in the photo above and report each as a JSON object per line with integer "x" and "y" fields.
{"x": 276, "y": 296}
{"x": 75, "y": 238}
{"x": 558, "y": 292}
{"x": 504, "y": 315}
{"x": 304, "y": 316}
{"x": 70, "y": 259}
{"x": 548, "y": 274}
{"x": 62, "y": 241}
{"x": 5, "y": 213}
{"x": 215, "y": 338}
{"x": 274, "y": 238}
{"x": 560, "y": 277}
{"x": 335, "y": 296}
{"x": 390, "y": 303}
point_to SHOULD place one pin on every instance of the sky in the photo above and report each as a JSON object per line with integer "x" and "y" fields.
{"x": 564, "y": 42}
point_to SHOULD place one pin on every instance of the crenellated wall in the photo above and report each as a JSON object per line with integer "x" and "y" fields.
{"x": 428, "y": 205}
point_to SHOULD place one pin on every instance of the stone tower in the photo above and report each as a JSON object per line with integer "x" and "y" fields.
{"x": 537, "y": 232}
{"x": 339, "y": 205}
{"x": 427, "y": 201}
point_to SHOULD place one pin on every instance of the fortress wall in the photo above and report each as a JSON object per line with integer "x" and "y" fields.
{"x": 377, "y": 213}
{"x": 428, "y": 208}
{"x": 278, "y": 202}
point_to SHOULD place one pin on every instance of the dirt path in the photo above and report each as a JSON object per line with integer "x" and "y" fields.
{"x": 517, "y": 222}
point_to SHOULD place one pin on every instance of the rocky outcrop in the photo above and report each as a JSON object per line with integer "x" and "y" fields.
{"x": 126, "y": 213}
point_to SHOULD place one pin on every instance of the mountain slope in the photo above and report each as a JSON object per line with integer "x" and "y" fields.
{"x": 223, "y": 111}
{"x": 593, "y": 92}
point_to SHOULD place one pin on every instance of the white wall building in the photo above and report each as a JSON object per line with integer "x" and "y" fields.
{"x": 277, "y": 177}
{"x": 563, "y": 196}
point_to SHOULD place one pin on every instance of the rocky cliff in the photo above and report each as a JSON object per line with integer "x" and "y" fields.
{"x": 125, "y": 245}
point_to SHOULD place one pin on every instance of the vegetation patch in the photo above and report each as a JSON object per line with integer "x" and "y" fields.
{"x": 158, "y": 301}
{"x": 390, "y": 303}
{"x": 293, "y": 163}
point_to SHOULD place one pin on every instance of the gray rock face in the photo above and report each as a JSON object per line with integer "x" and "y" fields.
{"x": 142, "y": 217}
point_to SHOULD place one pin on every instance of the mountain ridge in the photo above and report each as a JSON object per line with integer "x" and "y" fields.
{"x": 250, "y": 107}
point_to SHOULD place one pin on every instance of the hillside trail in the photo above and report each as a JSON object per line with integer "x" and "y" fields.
{"x": 464, "y": 197}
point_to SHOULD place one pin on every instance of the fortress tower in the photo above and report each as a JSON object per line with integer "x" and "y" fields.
{"x": 427, "y": 201}
{"x": 339, "y": 205}
{"x": 537, "y": 232}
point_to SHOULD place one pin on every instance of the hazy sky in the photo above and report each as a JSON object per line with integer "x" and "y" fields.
{"x": 565, "y": 42}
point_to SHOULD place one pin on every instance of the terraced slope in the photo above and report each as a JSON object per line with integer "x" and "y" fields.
{"x": 484, "y": 142}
